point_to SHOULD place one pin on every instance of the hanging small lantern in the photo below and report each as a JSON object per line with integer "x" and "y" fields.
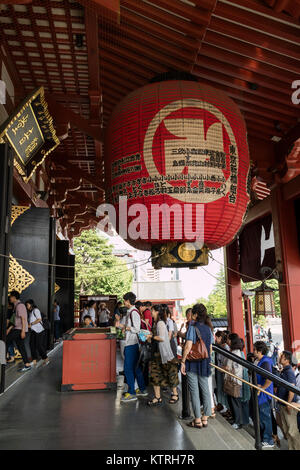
{"x": 264, "y": 301}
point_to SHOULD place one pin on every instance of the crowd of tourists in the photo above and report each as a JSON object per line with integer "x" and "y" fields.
{"x": 97, "y": 314}
{"x": 149, "y": 338}
{"x": 27, "y": 331}
{"x": 155, "y": 351}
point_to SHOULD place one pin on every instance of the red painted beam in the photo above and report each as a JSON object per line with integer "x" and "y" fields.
{"x": 238, "y": 60}
{"x": 78, "y": 121}
{"x": 257, "y": 21}
{"x": 257, "y": 38}
{"x": 164, "y": 18}
{"x": 259, "y": 54}
{"x": 109, "y": 8}
{"x": 288, "y": 264}
{"x": 234, "y": 291}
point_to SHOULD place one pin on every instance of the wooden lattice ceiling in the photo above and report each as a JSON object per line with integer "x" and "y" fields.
{"x": 88, "y": 58}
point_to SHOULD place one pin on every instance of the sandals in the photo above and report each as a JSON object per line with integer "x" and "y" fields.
{"x": 195, "y": 425}
{"x": 174, "y": 399}
{"x": 153, "y": 402}
{"x": 204, "y": 422}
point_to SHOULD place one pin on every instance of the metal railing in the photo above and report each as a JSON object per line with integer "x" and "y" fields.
{"x": 253, "y": 370}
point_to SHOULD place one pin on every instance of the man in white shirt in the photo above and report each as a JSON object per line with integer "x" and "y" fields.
{"x": 132, "y": 327}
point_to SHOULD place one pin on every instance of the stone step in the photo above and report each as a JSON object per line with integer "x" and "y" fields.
{"x": 219, "y": 435}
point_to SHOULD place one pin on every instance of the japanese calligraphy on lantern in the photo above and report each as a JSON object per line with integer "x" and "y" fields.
{"x": 190, "y": 131}
{"x": 30, "y": 133}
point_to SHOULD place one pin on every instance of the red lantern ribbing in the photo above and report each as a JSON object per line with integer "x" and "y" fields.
{"x": 184, "y": 143}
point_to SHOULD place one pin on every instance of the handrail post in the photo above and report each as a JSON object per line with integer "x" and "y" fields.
{"x": 185, "y": 410}
{"x": 256, "y": 420}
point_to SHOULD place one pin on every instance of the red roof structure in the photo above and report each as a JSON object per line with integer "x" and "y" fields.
{"x": 89, "y": 54}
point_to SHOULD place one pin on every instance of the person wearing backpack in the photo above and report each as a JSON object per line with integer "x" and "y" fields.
{"x": 37, "y": 333}
{"x": 20, "y": 330}
{"x": 132, "y": 371}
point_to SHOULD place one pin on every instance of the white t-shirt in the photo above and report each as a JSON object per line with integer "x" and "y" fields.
{"x": 170, "y": 324}
{"x": 104, "y": 316}
{"x": 92, "y": 314}
{"x": 84, "y": 313}
{"x": 36, "y": 315}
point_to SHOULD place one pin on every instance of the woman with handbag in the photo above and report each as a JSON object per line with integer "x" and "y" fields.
{"x": 163, "y": 365}
{"x": 233, "y": 386}
{"x": 196, "y": 365}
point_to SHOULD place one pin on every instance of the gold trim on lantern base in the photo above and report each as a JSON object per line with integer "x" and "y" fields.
{"x": 179, "y": 255}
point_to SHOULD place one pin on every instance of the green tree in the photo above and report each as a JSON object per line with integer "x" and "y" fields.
{"x": 97, "y": 270}
{"x": 216, "y": 301}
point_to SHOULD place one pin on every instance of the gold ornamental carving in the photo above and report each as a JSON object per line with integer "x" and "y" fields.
{"x": 16, "y": 211}
{"x": 57, "y": 288}
{"x": 18, "y": 277}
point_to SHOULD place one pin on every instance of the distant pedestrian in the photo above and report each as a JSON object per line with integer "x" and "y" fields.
{"x": 57, "y": 321}
{"x": 131, "y": 329}
{"x": 20, "y": 329}
{"x": 104, "y": 316}
{"x": 288, "y": 415}
{"x": 92, "y": 305}
{"x": 269, "y": 334}
{"x": 37, "y": 333}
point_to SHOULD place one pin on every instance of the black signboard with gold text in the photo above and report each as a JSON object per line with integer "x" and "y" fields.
{"x": 30, "y": 133}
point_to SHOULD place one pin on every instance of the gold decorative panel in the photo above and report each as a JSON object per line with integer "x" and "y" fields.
{"x": 16, "y": 211}
{"x": 57, "y": 288}
{"x": 18, "y": 279}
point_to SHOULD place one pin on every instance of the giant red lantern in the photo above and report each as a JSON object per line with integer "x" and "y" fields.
{"x": 179, "y": 143}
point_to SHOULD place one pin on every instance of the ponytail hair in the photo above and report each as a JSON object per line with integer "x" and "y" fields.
{"x": 162, "y": 314}
{"x": 201, "y": 312}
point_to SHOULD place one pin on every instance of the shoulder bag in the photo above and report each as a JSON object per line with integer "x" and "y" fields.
{"x": 199, "y": 350}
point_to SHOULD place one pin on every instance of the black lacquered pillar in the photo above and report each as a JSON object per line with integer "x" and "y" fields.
{"x": 6, "y": 184}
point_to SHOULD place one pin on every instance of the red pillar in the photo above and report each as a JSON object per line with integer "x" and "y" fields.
{"x": 234, "y": 290}
{"x": 288, "y": 264}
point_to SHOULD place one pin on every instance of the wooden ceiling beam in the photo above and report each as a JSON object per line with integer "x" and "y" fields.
{"x": 257, "y": 7}
{"x": 240, "y": 61}
{"x": 164, "y": 18}
{"x": 145, "y": 54}
{"x": 146, "y": 24}
{"x": 260, "y": 55}
{"x": 261, "y": 107}
{"x": 245, "y": 87}
{"x": 123, "y": 64}
{"x": 256, "y": 38}
{"x": 75, "y": 171}
{"x": 254, "y": 20}
{"x": 199, "y": 16}
{"x": 225, "y": 68}
{"x": 156, "y": 44}
{"x": 75, "y": 119}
